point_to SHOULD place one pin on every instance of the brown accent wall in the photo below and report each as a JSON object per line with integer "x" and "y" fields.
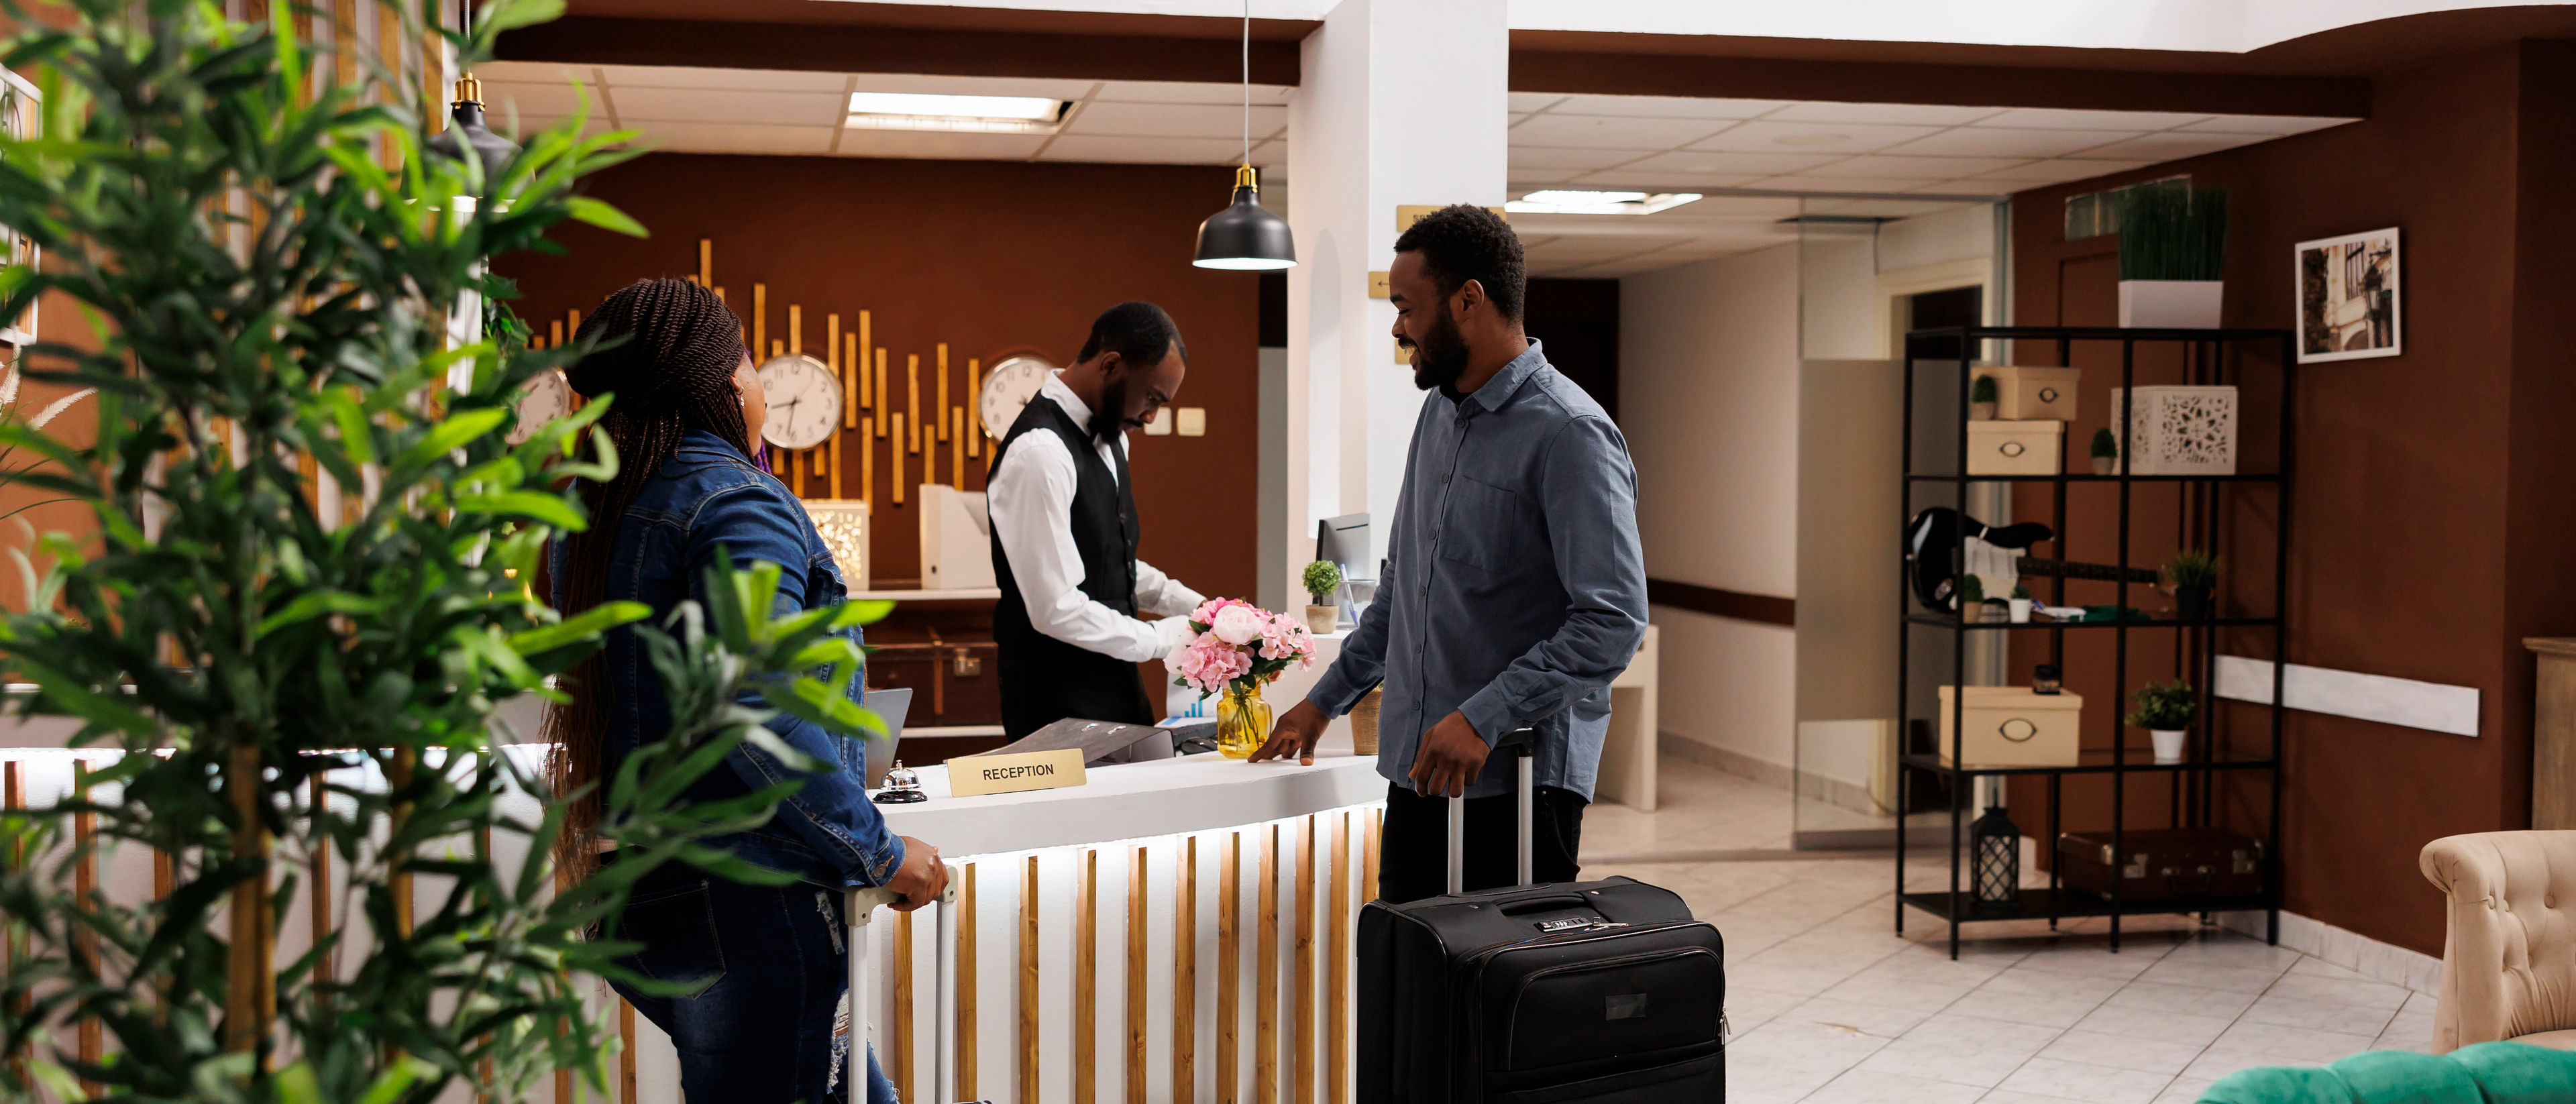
{"x": 990, "y": 257}
{"x": 2436, "y": 497}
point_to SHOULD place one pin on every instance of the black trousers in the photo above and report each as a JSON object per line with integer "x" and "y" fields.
{"x": 1413, "y": 856}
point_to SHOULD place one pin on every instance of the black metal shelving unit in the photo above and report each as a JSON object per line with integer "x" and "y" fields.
{"x": 2204, "y": 759}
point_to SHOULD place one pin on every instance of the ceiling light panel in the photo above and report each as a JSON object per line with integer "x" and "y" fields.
{"x": 944, "y": 106}
{"x": 1568, "y": 201}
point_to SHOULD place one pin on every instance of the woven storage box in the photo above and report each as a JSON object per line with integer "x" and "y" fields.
{"x": 2179, "y": 430}
{"x": 2009, "y": 726}
{"x": 2025, "y": 393}
{"x": 2014, "y": 448}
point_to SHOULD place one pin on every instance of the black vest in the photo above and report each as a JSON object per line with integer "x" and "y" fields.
{"x": 1045, "y": 680}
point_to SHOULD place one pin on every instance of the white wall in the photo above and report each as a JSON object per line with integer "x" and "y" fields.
{"x": 1708, "y": 398}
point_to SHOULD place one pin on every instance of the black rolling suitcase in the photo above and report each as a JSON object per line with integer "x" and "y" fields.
{"x": 1576, "y": 993}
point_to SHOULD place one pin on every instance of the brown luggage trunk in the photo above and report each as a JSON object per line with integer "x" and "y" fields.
{"x": 2162, "y": 864}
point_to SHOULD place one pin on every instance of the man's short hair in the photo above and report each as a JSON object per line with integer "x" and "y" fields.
{"x": 1139, "y": 332}
{"x": 1463, "y": 242}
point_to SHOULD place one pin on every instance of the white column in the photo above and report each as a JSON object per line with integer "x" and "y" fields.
{"x": 1399, "y": 103}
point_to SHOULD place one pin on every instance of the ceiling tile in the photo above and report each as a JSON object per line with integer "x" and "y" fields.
{"x": 1660, "y": 181}
{"x": 1523, "y": 177}
{"x": 939, "y": 143}
{"x": 747, "y": 80}
{"x": 532, "y": 72}
{"x": 1270, "y": 155}
{"x": 2059, "y": 118}
{"x": 735, "y": 137}
{"x": 1540, "y": 158}
{"x": 536, "y": 99}
{"x": 1533, "y": 101}
{"x": 1805, "y": 183}
{"x": 2170, "y": 146}
{"x": 1175, "y": 120}
{"x": 1600, "y": 132}
{"x": 695, "y": 105}
{"x": 1154, "y": 151}
{"x": 1899, "y": 114}
{"x": 1998, "y": 142}
{"x": 1812, "y": 138}
{"x": 1190, "y": 92}
{"x": 1752, "y": 164}
{"x": 2039, "y": 173}
{"x": 970, "y": 86}
{"x": 1665, "y": 107}
{"x": 2262, "y": 124}
{"x": 1921, "y": 168}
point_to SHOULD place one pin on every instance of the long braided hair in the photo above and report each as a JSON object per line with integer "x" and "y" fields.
{"x": 668, "y": 349}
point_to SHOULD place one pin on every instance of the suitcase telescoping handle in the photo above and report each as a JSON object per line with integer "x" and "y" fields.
{"x": 1518, "y": 743}
{"x": 861, "y": 907}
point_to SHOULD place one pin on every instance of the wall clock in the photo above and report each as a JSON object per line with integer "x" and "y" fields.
{"x": 804, "y": 401}
{"x": 546, "y": 397}
{"x": 1009, "y": 387}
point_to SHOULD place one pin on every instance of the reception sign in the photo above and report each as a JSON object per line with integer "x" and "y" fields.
{"x": 1031, "y": 770}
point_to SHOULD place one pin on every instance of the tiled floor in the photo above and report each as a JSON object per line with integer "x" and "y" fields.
{"x": 1830, "y": 1006}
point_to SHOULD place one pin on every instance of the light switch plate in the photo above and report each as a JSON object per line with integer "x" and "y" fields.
{"x": 1193, "y": 421}
{"x": 1160, "y": 425}
{"x": 1381, "y": 286}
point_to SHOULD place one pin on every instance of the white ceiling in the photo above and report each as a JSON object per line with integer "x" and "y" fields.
{"x": 1873, "y": 155}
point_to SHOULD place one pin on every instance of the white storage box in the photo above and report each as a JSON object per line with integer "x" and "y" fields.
{"x": 2014, "y": 448}
{"x": 2179, "y": 430}
{"x": 2171, "y": 304}
{"x": 2009, "y": 726}
{"x": 956, "y": 539}
{"x": 2025, "y": 393}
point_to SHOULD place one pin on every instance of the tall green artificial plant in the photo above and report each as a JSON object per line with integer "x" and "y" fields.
{"x": 310, "y": 589}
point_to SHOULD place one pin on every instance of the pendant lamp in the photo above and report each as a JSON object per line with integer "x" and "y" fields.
{"x": 1245, "y": 236}
{"x": 467, "y": 130}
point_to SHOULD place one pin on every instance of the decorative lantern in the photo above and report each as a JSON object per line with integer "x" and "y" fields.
{"x": 1998, "y": 867}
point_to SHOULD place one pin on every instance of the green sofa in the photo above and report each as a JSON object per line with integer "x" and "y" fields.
{"x": 2487, "y": 1073}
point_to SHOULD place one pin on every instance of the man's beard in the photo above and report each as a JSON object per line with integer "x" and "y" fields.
{"x": 1106, "y": 421}
{"x": 1441, "y": 355}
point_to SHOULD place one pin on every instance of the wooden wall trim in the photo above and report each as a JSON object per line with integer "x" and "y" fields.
{"x": 807, "y": 47}
{"x": 1765, "y": 608}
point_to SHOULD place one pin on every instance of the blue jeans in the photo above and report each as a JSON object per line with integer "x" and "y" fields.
{"x": 772, "y": 964}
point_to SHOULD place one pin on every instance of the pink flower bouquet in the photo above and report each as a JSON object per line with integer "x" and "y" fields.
{"x": 1232, "y": 641}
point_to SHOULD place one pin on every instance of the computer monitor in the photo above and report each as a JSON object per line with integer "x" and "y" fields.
{"x": 1344, "y": 541}
{"x": 890, "y": 705}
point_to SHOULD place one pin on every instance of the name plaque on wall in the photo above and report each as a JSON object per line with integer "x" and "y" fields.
{"x": 1011, "y": 773}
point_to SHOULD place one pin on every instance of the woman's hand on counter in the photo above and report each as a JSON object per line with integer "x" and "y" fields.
{"x": 921, "y": 878}
{"x": 1296, "y": 733}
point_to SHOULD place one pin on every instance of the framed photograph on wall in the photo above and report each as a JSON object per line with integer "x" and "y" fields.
{"x": 2347, "y": 296}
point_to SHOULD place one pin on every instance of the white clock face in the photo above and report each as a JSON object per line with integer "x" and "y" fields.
{"x": 546, "y": 398}
{"x": 1008, "y": 387}
{"x": 804, "y": 401}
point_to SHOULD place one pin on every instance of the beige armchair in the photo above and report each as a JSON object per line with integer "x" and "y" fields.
{"x": 2509, "y": 961}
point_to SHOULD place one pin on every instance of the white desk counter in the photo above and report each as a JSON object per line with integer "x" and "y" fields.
{"x": 1170, "y": 797}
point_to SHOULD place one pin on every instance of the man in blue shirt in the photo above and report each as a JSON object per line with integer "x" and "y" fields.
{"x": 1514, "y": 588}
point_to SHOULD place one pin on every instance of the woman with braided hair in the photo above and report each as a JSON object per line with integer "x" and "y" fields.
{"x": 769, "y": 960}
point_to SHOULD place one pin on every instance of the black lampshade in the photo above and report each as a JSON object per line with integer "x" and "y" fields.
{"x": 1245, "y": 237}
{"x": 469, "y": 131}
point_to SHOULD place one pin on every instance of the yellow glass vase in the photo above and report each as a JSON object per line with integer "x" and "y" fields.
{"x": 1242, "y": 720}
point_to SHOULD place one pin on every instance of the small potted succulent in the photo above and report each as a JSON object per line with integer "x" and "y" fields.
{"x": 1322, "y": 580}
{"x": 2194, "y": 578}
{"x": 1972, "y": 598}
{"x": 1981, "y": 399}
{"x": 2106, "y": 452}
{"x": 2019, "y": 604}
{"x": 2165, "y": 710}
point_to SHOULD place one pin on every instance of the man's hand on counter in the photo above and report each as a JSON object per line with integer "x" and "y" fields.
{"x": 921, "y": 878}
{"x": 1296, "y": 733}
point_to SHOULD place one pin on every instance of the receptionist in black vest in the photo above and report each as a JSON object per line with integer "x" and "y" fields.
{"x": 1064, "y": 533}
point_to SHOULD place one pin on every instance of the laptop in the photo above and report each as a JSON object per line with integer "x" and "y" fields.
{"x": 890, "y": 704}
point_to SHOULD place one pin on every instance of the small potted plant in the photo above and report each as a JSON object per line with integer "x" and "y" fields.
{"x": 1972, "y": 598}
{"x": 1322, "y": 580}
{"x": 2165, "y": 710}
{"x": 1981, "y": 399}
{"x": 2019, "y": 605}
{"x": 2194, "y": 578}
{"x": 2106, "y": 452}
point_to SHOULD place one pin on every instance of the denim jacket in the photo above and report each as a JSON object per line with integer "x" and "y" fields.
{"x": 708, "y": 494}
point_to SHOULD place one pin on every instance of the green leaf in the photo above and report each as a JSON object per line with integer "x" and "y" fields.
{"x": 598, "y": 213}
{"x": 314, "y": 604}
{"x": 449, "y": 435}
{"x": 503, "y": 15}
{"x": 550, "y": 509}
{"x": 579, "y": 627}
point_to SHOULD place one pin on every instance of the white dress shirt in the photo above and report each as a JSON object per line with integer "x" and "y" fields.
{"x": 1030, "y": 497}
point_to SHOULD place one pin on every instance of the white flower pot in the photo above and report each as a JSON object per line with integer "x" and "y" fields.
{"x": 2170, "y": 304}
{"x": 2168, "y": 745}
{"x": 2020, "y": 610}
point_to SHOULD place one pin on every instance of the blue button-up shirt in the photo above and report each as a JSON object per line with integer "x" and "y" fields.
{"x": 1514, "y": 588}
